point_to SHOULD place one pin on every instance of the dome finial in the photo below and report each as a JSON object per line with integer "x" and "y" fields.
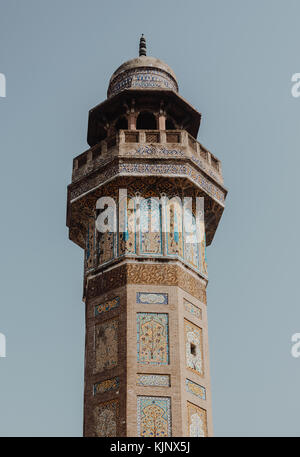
{"x": 143, "y": 49}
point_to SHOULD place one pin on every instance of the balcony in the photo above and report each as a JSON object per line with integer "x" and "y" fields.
{"x": 159, "y": 144}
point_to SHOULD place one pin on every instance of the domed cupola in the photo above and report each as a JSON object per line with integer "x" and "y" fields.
{"x": 143, "y": 72}
{"x": 142, "y": 95}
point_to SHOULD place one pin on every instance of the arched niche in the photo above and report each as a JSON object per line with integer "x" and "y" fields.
{"x": 121, "y": 124}
{"x": 146, "y": 121}
{"x": 170, "y": 125}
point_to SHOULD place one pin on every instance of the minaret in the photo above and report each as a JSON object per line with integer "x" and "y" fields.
{"x": 145, "y": 201}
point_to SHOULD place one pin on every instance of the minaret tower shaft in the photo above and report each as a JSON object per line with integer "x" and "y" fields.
{"x": 145, "y": 275}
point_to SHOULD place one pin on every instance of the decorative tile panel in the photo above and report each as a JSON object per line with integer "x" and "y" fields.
{"x": 191, "y": 245}
{"x": 106, "y": 345}
{"x": 193, "y": 347}
{"x": 155, "y": 151}
{"x": 107, "y": 306}
{"x": 127, "y": 238}
{"x": 106, "y": 386}
{"x": 158, "y": 169}
{"x": 153, "y": 338}
{"x": 158, "y": 380}
{"x": 197, "y": 421}
{"x": 106, "y": 246}
{"x": 106, "y": 418}
{"x": 90, "y": 245}
{"x": 195, "y": 389}
{"x": 192, "y": 309}
{"x": 151, "y": 274}
{"x": 154, "y": 416}
{"x": 150, "y": 227}
{"x": 172, "y": 169}
{"x": 174, "y": 228}
{"x": 141, "y": 77}
{"x": 152, "y": 298}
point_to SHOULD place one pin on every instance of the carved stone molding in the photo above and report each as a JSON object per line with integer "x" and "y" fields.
{"x": 168, "y": 275}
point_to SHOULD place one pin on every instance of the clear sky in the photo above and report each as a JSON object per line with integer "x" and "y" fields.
{"x": 234, "y": 61}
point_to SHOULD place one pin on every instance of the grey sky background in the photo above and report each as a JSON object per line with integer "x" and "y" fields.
{"x": 234, "y": 61}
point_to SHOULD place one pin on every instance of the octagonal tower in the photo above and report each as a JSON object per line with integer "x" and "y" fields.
{"x": 145, "y": 273}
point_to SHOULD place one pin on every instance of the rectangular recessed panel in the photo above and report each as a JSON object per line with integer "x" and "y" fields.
{"x": 152, "y": 298}
{"x": 106, "y": 416}
{"x": 150, "y": 227}
{"x": 106, "y": 386}
{"x": 197, "y": 421}
{"x": 153, "y": 338}
{"x": 193, "y": 347}
{"x": 173, "y": 138}
{"x": 131, "y": 137}
{"x": 107, "y": 306}
{"x": 192, "y": 309}
{"x": 158, "y": 380}
{"x": 154, "y": 416}
{"x": 152, "y": 137}
{"x": 195, "y": 389}
{"x": 106, "y": 345}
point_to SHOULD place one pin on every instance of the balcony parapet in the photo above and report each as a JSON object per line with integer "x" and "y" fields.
{"x": 159, "y": 144}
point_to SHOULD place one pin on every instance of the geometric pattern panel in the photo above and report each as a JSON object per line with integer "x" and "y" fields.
{"x": 106, "y": 345}
{"x": 154, "y": 416}
{"x": 158, "y": 380}
{"x": 193, "y": 347}
{"x": 107, "y": 306}
{"x": 152, "y": 298}
{"x": 197, "y": 421}
{"x": 195, "y": 389}
{"x": 192, "y": 309}
{"x": 106, "y": 418}
{"x": 153, "y": 338}
{"x": 106, "y": 386}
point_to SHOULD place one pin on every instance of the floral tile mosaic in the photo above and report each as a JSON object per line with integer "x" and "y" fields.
{"x": 154, "y": 416}
{"x": 193, "y": 347}
{"x": 106, "y": 418}
{"x": 197, "y": 421}
{"x": 153, "y": 338}
{"x": 106, "y": 345}
{"x": 150, "y": 227}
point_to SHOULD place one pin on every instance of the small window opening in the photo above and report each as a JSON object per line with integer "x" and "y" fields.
{"x": 193, "y": 349}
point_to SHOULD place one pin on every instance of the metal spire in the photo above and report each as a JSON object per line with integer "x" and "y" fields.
{"x": 143, "y": 48}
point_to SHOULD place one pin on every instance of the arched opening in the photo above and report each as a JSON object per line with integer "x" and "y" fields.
{"x": 170, "y": 124}
{"x": 121, "y": 124}
{"x": 146, "y": 121}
